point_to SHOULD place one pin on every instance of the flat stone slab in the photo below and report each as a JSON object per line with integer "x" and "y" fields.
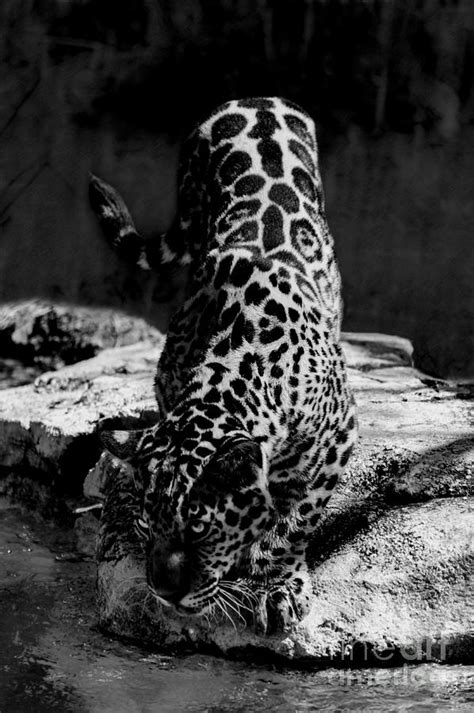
{"x": 40, "y": 423}
{"x": 392, "y": 559}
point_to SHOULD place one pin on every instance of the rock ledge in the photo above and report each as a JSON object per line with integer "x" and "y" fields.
{"x": 392, "y": 560}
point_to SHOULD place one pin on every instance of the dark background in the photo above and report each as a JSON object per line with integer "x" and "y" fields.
{"x": 112, "y": 86}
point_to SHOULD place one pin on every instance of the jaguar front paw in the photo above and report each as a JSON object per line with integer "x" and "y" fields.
{"x": 282, "y": 607}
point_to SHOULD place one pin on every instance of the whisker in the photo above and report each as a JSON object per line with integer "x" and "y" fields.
{"x": 147, "y": 604}
{"x": 235, "y": 593}
{"x": 223, "y": 608}
{"x": 231, "y": 597}
{"x": 125, "y": 590}
{"x": 207, "y": 614}
{"x": 231, "y": 606}
{"x": 240, "y": 587}
{"x": 129, "y": 581}
{"x": 249, "y": 596}
{"x": 212, "y": 612}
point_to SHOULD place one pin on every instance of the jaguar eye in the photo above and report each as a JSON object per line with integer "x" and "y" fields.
{"x": 198, "y": 527}
{"x": 142, "y": 527}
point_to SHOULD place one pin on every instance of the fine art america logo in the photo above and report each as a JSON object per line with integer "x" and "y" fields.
{"x": 424, "y": 650}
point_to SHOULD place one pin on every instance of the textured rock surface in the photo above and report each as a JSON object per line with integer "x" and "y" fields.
{"x": 46, "y": 335}
{"x": 50, "y": 425}
{"x": 393, "y": 557}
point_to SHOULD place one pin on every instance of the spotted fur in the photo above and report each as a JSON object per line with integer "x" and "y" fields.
{"x": 257, "y": 421}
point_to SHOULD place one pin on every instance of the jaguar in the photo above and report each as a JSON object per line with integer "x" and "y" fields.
{"x": 256, "y": 419}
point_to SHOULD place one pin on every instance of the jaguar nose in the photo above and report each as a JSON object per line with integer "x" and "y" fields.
{"x": 167, "y": 574}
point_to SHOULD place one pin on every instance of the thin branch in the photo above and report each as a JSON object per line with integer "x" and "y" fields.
{"x": 20, "y": 104}
{"x": 27, "y": 185}
{"x": 18, "y": 176}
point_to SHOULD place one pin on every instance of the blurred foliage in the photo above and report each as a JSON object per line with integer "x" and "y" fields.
{"x": 381, "y": 64}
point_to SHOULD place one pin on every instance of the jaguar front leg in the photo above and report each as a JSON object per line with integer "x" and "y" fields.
{"x": 284, "y": 582}
{"x": 285, "y": 597}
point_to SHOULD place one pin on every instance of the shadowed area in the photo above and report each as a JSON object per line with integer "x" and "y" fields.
{"x": 390, "y": 88}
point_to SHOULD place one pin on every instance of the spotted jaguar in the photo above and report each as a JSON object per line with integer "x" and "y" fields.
{"x": 256, "y": 418}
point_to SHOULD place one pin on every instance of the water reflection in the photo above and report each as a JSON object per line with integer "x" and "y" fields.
{"x": 53, "y": 659}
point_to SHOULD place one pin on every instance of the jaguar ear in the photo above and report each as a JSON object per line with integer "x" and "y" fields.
{"x": 123, "y": 444}
{"x": 237, "y": 464}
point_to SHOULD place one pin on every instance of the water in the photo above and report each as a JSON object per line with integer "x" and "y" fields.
{"x": 52, "y": 658}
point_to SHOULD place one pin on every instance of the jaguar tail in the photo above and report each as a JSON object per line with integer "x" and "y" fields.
{"x": 117, "y": 223}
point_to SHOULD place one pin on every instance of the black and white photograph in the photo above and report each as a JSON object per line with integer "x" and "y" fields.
{"x": 236, "y": 356}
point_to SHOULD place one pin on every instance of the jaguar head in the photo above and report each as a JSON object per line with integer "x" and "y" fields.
{"x": 199, "y": 521}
